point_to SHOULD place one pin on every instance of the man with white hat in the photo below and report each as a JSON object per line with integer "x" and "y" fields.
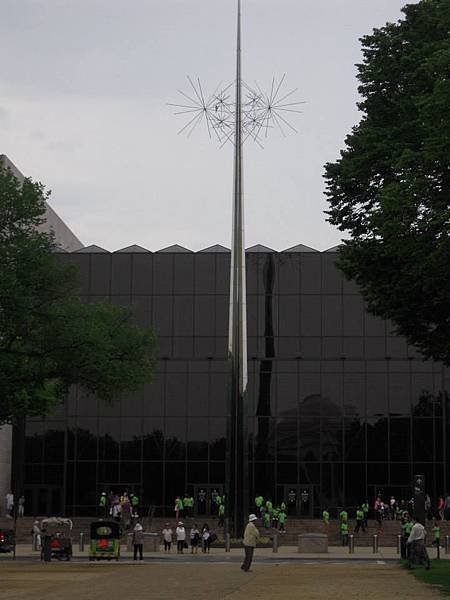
{"x": 251, "y": 535}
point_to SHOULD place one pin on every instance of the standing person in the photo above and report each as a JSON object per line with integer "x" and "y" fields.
{"x": 102, "y": 502}
{"x": 428, "y": 507}
{"x": 195, "y": 538}
{"x": 447, "y": 507}
{"x": 134, "y": 504}
{"x": 360, "y": 520}
{"x": 206, "y": 534}
{"x": 275, "y": 513}
{"x": 344, "y": 533}
{"x": 9, "y": 504}
{"x": 440, "y": 508}
{"x": 259, "y": 501}
{"x": 269, "y": 507}
{"x": 343, "y": 515}
{"x": 178, "y": 507}
{"x": 392, "y": 505}
{"x": 282, "y": 520}
{"x": 36, "y": 533}
{"x": 221, "y": 515}
{"x": 266, "y": 520}
{"x": 138, "y": 541}
{"x": 180, "y": 532}
{"x": 126, "y": 513}
{"x": 187, "y": 505}
{"x": 365, "y": 508}
{"x": 21, "y": 509}
{"x": 167, "y": 537}
{"x": 437, "y": 534}
{"x": 326, "y": 517}
{"x": 251, "y": 535}
{"x": 417, "y": 550}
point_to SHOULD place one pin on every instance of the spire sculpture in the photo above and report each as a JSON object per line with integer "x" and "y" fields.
{"x": 250, "y": 115}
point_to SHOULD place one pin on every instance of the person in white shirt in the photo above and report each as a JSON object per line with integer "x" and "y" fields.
{"x": 180, "y": 532}
{"x": 417, "y": 550}
{"x": 167, "y": 537}
{"x": 9, "y": 504}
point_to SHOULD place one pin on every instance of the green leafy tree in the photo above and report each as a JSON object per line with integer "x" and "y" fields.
{"x": 49, "y": 339}
{"x": 390, "y": 189}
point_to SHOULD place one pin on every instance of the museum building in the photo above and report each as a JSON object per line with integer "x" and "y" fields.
{"x": 338, "y": 407}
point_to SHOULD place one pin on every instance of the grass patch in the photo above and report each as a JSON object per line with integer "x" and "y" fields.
{"x": 438, "y": 575}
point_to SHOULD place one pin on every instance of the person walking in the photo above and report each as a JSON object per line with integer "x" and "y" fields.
{"x": 417, "y": 550}
{"x": 221, "y": 515}
{"x": 9, "y": 505}
{"x": 167, "y": 537}
{"x": 180, "y": 532}
{"x": 365, "y": 508}
{"x": 195, "y": 539}
{"x": 36, "y": 535}
{"x": 102, "y": 502}
{"x": 251, "y": 535}
{"x": 437, "y": 534}
{"x": 282, "y": 520}
{"x": 138, "y": 541}
{"x": 326, "y": 517}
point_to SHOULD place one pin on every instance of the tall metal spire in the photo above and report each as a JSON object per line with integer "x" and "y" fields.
{"x": 237, "y": 338}
{"x": 251, "y": 115}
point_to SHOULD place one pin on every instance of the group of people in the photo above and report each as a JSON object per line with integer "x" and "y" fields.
{"x": 197, "y": 537}
{"x": 123, "y": 508}
{"x": 10, "y": 506}
{"x": 271, "y": 515}
{"x": 184, "y": 505}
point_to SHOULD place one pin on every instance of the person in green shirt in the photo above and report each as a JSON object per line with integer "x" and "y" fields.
{"x": 102, "y": 504}
{"x": 343, "y": 515}
{"x": 221, "y": 514}
{"x": 266, "y": 520}
{"x": 326, "y": 517}
{"x": 344, "y": 533}
{"x": 275, "y": 513}
{"x": 283, "y": 506}
{"x": 187, "y": 506}
{"x": 282, "y": 520}
{"x": 269, "y": 506}
{"x": 437, "y": 534}
{"x": 365, "y": 508}
{"x": 259, "y": 500}
{"x": 360, "y": 520}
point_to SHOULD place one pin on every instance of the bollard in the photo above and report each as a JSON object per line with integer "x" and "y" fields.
{"x": 81, "y": 542}
{"x": 351, "y": 544}
{"x": 375, "y": 543}
{"x": 227, "y": 542}
{"x": 275, "y": 542}
{"x": 447, "y": 544}
{"x": 399, "y": 544}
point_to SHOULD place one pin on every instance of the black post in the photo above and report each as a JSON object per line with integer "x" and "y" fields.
{"x": 419, "y": 498}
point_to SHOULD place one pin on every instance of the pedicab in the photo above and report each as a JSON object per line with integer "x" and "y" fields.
{"x": 105, "y": 540}
{"x": 6, "y": 540}
{"x": 56, "y": 538}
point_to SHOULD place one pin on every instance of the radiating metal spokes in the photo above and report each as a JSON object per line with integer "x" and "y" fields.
{"x": 261, "y": 111}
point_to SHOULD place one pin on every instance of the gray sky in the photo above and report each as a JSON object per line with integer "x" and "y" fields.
{"x": 83, "y": 92}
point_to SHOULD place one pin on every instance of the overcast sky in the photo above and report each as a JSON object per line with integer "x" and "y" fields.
{"x": 84, "y": 87}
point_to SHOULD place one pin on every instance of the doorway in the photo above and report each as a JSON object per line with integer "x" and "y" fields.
{"x": 205, "y": 499}
{"x": 299, "y": 500}
{"x": 43, "y": 501}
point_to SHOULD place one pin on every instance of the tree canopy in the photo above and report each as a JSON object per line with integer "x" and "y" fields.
{"x": 390, "y": 188}
{"x": 49, "y": 339}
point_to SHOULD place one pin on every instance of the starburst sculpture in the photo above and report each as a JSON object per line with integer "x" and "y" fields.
{"x": 261, "y": 111}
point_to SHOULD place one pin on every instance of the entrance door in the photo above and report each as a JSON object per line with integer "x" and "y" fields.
{"x": 43, "y": 501}
{"x": 204, "y": 499}
{"x": 299, "y": 500}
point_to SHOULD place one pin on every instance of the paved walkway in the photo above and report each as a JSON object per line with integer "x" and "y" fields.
{"x": 284, "y": 554}
{"x": 150, "y": 581}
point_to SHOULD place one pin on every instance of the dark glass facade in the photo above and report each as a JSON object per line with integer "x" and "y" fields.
{"x": 337, "y": 404}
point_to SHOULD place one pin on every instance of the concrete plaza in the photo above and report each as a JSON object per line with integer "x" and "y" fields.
{"x": 311, "y": 580}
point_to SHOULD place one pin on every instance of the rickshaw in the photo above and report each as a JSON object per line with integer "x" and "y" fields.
{"x": 105, "y": 540}
{"x": 56, "y": 539}
{"x": 6, "y": 540}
